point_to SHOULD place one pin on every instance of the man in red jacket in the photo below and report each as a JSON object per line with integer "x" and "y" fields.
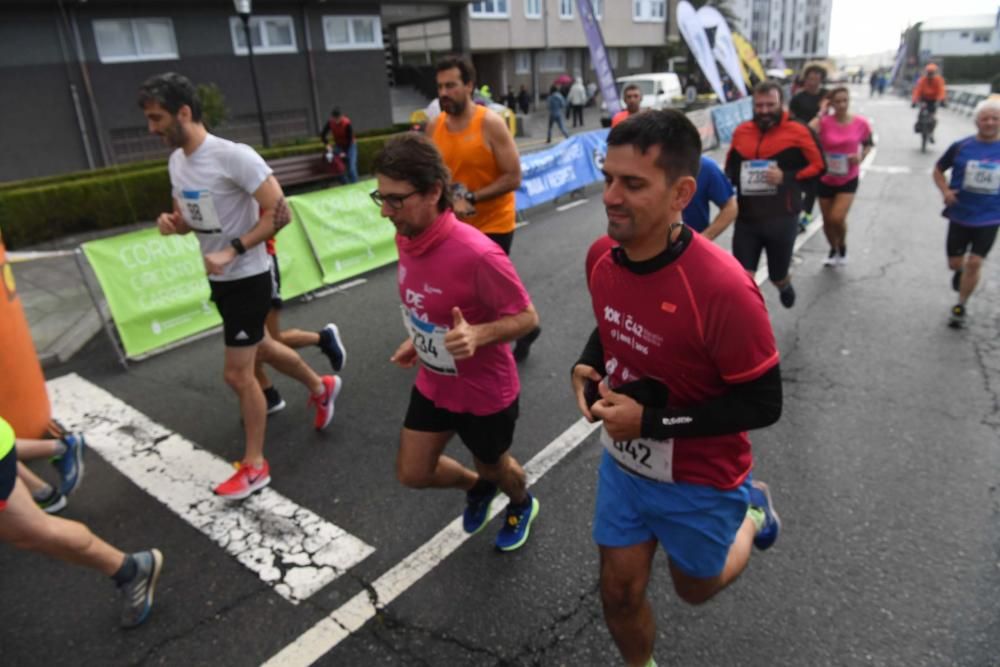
{"x": 343, "y": 138}
{"x": 769, "y": 159}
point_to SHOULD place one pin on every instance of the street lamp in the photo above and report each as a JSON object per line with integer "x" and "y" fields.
{"x": 243, "y": 9}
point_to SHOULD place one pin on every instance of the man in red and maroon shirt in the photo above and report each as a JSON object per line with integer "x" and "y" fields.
{"x": 681, "y": 364}
{"x": 343, "y": 138}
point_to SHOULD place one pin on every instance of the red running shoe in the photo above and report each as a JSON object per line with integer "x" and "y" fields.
{"x": 324, "y": 403}
{"x": 245, "y": 481}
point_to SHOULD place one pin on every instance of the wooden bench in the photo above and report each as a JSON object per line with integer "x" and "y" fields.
{"x": 303, "y": 169}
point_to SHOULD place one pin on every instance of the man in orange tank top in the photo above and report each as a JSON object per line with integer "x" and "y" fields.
{"x": 482, "y": 157}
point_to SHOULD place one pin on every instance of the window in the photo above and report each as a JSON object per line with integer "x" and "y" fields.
{"x": 522, "y": 62}
{"x": 598, "y": 6}
{"x": 552, "y": 61}
{"x": 270, "y": 34}
{"x": 126, "y": 40}
{"x": 981, "y": 36}
{"x": 613, "y": 57}
{"x": 636, "y": 57}
{"x": 565, "y": 9}
{"x": 488, "y": 9}
{"x": 532, "y": 9}
{"x": 649, "y": 10}
{"x": 351, "y": 33}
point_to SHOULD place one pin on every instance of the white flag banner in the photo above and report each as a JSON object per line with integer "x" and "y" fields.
{"x": 725, "y": 50}
{"x": 696, "y": 39}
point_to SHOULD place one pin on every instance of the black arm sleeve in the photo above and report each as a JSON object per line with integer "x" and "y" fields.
{"x": 748, "y": 405}
{"x": 593, "y": 354}
{"x": 325, "y": 131}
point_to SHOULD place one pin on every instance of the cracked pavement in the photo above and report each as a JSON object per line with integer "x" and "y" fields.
{"x": 884, "y": 466}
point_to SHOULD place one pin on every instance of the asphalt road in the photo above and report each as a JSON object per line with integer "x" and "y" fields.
{"x": 884, "y": 467}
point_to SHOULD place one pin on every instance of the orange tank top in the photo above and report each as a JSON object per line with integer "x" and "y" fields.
{"x": 471, "y": 163}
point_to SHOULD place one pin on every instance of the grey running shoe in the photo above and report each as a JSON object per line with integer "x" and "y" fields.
{"x": 137, "y": 594}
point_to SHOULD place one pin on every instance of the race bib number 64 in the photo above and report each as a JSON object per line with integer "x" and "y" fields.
{"x": 982, "y": 177}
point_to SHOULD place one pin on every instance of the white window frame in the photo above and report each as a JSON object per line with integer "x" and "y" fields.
{"x": 537, "y": 13}
{"x": 236, "y": 28}
{"x": 495, "y": 14}
{"x": 353, "y": 44}
{"x": 598, "y": 7}
{"x": 171, "y": 55}
{"x": 649, "y": 11}
{"x": 543, "y": 66}
{"x": 563, "y": 6}
{"x": 522, "y": 62}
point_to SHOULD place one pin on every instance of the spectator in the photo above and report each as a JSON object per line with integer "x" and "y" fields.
{"x": 524, "y": 99}
{"x": 510, "y": 99}
{"x": 342, "y": 130}
{"x": 577, "y": 98}
{"x": 556, "y": 105}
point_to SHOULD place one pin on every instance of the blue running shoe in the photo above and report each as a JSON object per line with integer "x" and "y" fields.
{"x": 332, "y": 346}
{"x": 517, "y": 525}
{"x": 760, "y": 497}
{"x": 70, "y": 464}
{"x": 477, "y": 510}
{"x": 137, "y": 594}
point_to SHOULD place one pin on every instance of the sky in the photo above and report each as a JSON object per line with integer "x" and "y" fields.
{"x": 870, "y": 26}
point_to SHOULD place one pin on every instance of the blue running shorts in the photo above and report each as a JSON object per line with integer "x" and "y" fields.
{"x": 696, "y": 524}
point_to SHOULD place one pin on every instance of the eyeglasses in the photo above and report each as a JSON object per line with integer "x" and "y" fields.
{"x": 395, "y": 202}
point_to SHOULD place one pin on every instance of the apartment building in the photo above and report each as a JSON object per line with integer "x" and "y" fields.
{"x": 960, "y": 36}
{"x": 798, "y": 30}
{"x": 533, "y": 42}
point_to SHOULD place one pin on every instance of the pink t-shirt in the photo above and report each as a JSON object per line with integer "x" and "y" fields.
{"x": 453, "y": 264}
{"x": 838, "y": 142}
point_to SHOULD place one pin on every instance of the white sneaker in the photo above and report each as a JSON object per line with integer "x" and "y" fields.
{"x": 831, "y": 260}
{"x": 842, "y": 260}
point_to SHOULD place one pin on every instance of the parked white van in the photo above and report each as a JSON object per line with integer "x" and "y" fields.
{"x": 658, "y": 89}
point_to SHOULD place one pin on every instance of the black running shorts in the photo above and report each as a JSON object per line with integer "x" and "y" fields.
{"x": 963, "y": 239}
{"x": 243, "y": 305}
{"x": 503, "y": 240}
{"x": 825, "y": 191}
{"x": 488, "y": 437}
{"x": 776, "y": 235}
{"x": 8, "y": 476}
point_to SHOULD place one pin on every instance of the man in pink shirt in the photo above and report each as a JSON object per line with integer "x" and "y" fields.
{"x": 462, "y": 302}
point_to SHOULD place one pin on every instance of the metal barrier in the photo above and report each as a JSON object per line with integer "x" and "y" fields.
{"x": 963, "y": 101}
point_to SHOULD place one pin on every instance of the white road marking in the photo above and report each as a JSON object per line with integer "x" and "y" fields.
{"x": 572, "y": 204}
{"x": 352, "y": 616}
{"x": 342, "y": 287}
{"x": 889, "y": 169}
{"x": 289, "y": 547}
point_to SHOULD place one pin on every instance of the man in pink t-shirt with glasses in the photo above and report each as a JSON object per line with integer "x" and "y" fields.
{"x": 462, "y": 302}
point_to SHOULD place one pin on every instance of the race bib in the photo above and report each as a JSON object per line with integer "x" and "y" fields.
{"x": 982, "y": 177}
{"x": 643, "y": 456}
{"x": 753, "y": 178}
{"x": 429, "y": 341}
{"x": 199, "y": 213}
{"x": 836, "y": 164}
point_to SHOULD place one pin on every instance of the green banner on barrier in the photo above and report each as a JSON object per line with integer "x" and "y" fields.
{"x": 155, "y": 286}
{"x": 347, "y": 233}
{"x": 299, "y": 271}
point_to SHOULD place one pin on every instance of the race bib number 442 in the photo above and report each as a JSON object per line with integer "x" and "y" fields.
{"x": 643, "y": 456}
{"x": 198, "y": 210}
{"x": 428, "y": 339}
{"x": 753, "y": 178}
{"x": 982, "y": 177}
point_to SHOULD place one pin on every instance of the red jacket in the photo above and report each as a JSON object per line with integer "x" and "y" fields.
{"x": 796, "y": 150}
{"x": 931, "y": 89}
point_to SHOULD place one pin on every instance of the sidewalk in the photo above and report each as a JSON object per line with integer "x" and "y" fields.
{"x": 61, "y": 312}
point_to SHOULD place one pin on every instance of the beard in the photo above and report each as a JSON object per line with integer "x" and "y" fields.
{"x": 452, "y": 107}
{"x": 619, "y": 230}
{"x": 174, "y": 136}
{"x": 766, "y": 121}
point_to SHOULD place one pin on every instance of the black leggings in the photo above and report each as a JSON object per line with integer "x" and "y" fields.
{"x": 776, "y": 235}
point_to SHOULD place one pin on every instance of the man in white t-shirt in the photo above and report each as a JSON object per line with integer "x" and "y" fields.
{"x": 225, "y": 193}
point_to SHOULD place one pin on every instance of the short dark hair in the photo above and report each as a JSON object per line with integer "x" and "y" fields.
{"x": 463, "y": 65}
{"x": 764, "y": 87}
{"x": 335, "y": 111}
{"x": 413, "y": 158}
{"x": 171, "y": 91}
{"x": 819, "y": 69}
{"x": 631, "y": 86}
{"x": 672, "y": 131}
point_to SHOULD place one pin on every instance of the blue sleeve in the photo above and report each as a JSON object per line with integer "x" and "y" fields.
{"x": 720, "y": 190}
{"x": 947, "y": 160}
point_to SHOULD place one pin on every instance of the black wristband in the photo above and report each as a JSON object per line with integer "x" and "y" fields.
{"x": 470, "y": 197}
{"x": 238, "y": 246}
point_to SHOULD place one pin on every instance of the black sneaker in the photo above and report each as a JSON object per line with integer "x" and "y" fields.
{"x": 332, "y": 346}
{"x": 956, "y": 280}
{"x": 56, "y": 502}
{"x": 138, "y": 593}
{"x": 787, "y": 295}
{"x": 275, "y": 403}
{"x": 523, "y": 347}
{"x": 957, "y": 319}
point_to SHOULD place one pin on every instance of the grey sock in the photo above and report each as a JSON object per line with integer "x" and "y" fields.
{"x": 43, "y": 494}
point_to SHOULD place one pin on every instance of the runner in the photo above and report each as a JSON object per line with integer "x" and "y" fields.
{"x": 462, "y": 300}
{"x": 225, "y": 193}
{"x": 846, "y": 140}
{"x": 679, "y": 379}
{"x": 25, "y": 526}
{"x": 972, "y": 202}
{"x": 803, "y": 107}
{"x": 482, "y": 158}
{"x": 326, "y": 339}
{"x": 769, "y": 159}
{"x": 713, "y": 186}
{"x": 632, "y": 95}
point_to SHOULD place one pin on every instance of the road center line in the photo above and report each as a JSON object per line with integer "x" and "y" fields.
{"x": 352, "y": 615}
{"x": 290, "y": 548}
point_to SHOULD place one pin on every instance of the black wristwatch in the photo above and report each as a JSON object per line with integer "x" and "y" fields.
{"x": 470, "y": 197}
{"x": 238, "y": 246}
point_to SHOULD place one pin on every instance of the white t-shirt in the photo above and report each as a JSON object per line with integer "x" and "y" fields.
{"x": 214, "y": 188}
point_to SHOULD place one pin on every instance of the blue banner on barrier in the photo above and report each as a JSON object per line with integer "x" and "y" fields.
{"x": 571, "y": 165}
{"x": 728, "y": 116}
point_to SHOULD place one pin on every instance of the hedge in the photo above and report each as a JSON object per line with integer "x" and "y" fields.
{"x": 108, "y": 198}
{"x": 976, "y": 69}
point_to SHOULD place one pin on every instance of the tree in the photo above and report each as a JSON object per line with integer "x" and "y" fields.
{"x": 213, "y": 105}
